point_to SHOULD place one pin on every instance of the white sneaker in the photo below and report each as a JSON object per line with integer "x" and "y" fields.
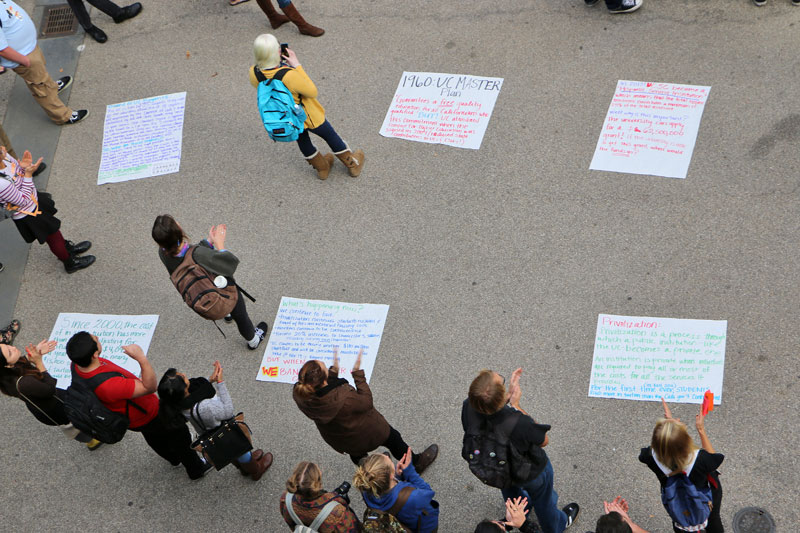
{"x": 261, "y": 332}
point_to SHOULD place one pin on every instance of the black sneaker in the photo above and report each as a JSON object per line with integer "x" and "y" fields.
{"x": 76, "y": 249}
{"x": 73, "y": 264}
{"x": 63, "y": 83}
{"x": 40, "y": 169}
{"x": 760, "y": 2}
{"x": 571, "y": 511}
{"x": 261, "y": 332}
{"x": 590, "y": 2}
{"x": 128, "y": 12}
{"x": 228, "y": 319}
{"x": 796, "y": 2}
{"x": 627, "y": 6}
{"x": 77, "y": 116}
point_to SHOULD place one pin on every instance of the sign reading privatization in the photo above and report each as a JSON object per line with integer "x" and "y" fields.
{"x": 451, "y": 109}
{"x": 644, "y": 358}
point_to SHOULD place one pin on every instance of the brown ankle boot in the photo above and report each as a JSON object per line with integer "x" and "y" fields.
{"x": 256, "y": 467}
{"x": 304, "y": 27}
{"x": 275, "y": 19}
{"x": 354, "y": 161}
{"x": 321, "y": 163}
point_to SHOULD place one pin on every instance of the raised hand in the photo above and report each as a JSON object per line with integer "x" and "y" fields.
{"x": 515, "y": 511}
{"x": 667, "y": 412}
{"x": 403, "y": 463}
{"x": 134, "y": 351}
{"x": 46, "y": 346}
{"x": 357, "y": 364}
{"x": 335, "y": 366}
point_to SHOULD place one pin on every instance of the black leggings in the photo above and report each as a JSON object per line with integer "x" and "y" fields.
{"x": 397, "y": 447}
{"x": 174, "y": 445}
{"x": 242, "y": 319}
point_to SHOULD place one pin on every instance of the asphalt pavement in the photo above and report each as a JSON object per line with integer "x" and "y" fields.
{"x": 499, "y": 258}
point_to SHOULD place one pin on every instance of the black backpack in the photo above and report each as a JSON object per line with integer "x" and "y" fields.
{"x": 88, "y": 414}
{"x": 490, "y": 454}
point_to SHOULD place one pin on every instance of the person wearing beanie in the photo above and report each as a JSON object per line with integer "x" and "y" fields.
{"x": 269, "y": 62}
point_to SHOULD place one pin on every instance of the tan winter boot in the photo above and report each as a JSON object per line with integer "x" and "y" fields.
{"x": 354, "y": 161}
{"x": 304, "y": 27}
{"x": 256, "y": 467}
{"x": 321, "y": 163}
{"x": 275, "y": 19}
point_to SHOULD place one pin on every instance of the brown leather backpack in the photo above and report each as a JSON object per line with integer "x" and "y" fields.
{"x": 197, "y": 289}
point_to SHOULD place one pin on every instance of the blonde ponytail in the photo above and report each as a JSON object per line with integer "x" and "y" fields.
{"x": 374, "y": 475}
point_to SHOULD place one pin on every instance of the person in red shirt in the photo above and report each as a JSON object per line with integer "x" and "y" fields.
{"x": 135, "y": 398}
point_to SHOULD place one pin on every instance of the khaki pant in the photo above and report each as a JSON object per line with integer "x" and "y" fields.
{"x": 43, "y": 88}
{"x": 6, "y": 142}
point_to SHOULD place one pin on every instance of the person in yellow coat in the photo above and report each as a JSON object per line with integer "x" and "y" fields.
{"x": 268, "y": 58}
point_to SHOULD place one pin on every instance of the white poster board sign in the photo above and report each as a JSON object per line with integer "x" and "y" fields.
{"x": 113, "y": 332}
{"x": 451, "y": 109}
{"x": 310, "y": 329}
{"x": 142, "y": 138}
{"x": 650, "y": 128}
{"x": 644, "y": 358}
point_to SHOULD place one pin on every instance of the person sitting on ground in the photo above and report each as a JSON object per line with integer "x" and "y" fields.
{"x": 207, "y": 404}
{"x": 212, "y": 256}
{"x": 516, "y": 517}
{"x": 27, "y": 378}
{"x": 34, "y": 212}
{"x": 310, "y": 502}
{"x": 673, "y": 452}
{"x": 270, "y": 62}
{"x": 346, "y": 417}
{"x": 397, "y": 490}
{"x": 616, "y": 519}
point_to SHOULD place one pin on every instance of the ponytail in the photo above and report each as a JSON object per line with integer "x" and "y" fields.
{"x": 374, "y": 475}
{"x": 309, "y": 379}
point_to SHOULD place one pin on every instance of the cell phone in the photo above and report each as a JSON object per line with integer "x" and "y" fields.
{"x": 284, "y": 48}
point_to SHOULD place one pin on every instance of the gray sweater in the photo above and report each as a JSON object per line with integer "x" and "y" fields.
{"x": 211, "y": 411}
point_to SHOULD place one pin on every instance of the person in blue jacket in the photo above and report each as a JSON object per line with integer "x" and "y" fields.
{"x": 381, "y": 484}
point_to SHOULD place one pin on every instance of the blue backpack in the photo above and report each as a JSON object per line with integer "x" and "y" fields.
{"x": 687, "y": 505}
{"x": 282, "y": 117}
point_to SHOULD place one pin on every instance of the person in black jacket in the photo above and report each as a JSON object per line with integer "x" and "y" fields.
{"x": 210, "y": 254}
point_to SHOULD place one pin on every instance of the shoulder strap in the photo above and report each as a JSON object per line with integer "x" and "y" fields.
{"x": 197, "y": 419}
{"x": 32, "y": 403}
{"x": 402, "y": 498}
{"x": 289, "y": 508}
{"x": 100, "y": 378}
{"x": 323, "y": 515}
{"x": 259, "y": 75}
{"x": 281, "y": 73}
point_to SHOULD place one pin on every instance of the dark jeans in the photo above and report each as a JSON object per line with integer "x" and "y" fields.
{"x": 543, "y": 499}
{"x": 397, "y": 446}
{"x": 242, "y": 319}
{"x": 327, "y": 133}
{"x": 173, "y": 445}
{"x": 109, "y": 8}
{"x": 714, "y": 520}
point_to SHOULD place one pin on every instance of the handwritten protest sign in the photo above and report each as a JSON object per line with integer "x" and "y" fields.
{"x": 450, "y": 109}
{"x": 310, "y": 329}
{"x": 142, "y": 138}
{"x": 650, "y": 128}
{"x": 113, "y": 331}
{"x": 642, "y": 358}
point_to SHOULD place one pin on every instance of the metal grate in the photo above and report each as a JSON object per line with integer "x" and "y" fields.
{"x": 753, "y": 520}
{"x": 57, "y": 21}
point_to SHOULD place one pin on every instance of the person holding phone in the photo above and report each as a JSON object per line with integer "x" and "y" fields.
{"x": 33, "y": 212}
{"x": 27, "y": 378}
{"x": 271, "y": 60}
{"x": 673, "y": 452}
{"x": 346, "y": 417}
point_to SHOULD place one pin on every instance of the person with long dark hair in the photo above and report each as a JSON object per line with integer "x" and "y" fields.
{"x": 346, "y": 417}
{"x": 211, "y": 255}
{"x": 206, "y": 404}
{"x": 27, "y": 378}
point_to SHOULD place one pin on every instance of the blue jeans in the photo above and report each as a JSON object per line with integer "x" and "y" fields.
{"x": 543, "y": 499}
{"x": 284, "y": 3}
{"x": 328, "y": 134}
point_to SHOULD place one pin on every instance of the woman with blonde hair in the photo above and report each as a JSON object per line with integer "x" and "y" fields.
{"x": 287, "y": 68}
{"x": 397, "y": 490}
{"x": 329, "y": 512}
{"x": 672, "y": 452}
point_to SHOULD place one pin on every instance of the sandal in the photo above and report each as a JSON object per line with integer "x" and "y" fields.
{"x": 6, "y": 337}
{"x": 236, "y": 2}
{"x": 9, "y": 332}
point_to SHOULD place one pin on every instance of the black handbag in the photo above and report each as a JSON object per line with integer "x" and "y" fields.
{"x": 225, "y": 443}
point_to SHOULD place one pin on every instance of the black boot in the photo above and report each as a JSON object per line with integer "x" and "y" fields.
{"x": 74, "y": 263}
{"x": 77, "y": 249}
{"x": 128, "y": 12}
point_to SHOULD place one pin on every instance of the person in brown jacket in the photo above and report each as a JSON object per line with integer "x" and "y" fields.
{"x": 346, "y": 417}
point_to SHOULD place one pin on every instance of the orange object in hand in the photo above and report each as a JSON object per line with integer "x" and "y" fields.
{"x": 708, "y": 402}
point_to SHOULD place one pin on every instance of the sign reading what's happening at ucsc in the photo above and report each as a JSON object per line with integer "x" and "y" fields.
{"x": 451, "y": 109}
{"x": 645, "y": 358}
{"x": 311, "y": 329}
{"x": 113, "y": 332}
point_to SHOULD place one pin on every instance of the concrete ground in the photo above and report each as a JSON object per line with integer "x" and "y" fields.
{"x": 499, "y": 258}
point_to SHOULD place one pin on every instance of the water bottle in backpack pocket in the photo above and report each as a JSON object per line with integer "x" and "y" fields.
{"x": 282, "y": 117}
